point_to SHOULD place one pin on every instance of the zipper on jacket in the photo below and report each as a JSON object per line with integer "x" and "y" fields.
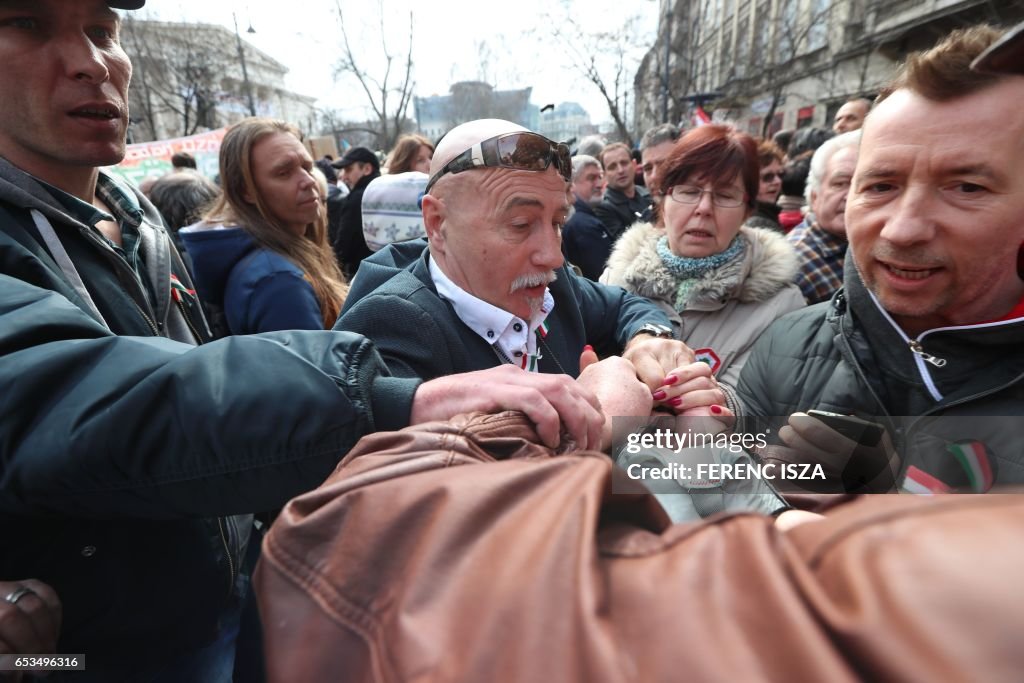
{"x": 152, "y": 325}
{"x": 120, "y": 264}
{"x": 188, "y": 321}
{"x": 920, "y": 356}
{"x": 227, "y": 553}
{"x": 916, "y": 347}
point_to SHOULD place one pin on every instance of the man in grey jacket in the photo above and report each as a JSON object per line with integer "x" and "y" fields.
{"x": 126, "y": 451}
{"x": 926, "y": 338}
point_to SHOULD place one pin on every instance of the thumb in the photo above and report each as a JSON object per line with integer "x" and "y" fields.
{"x": 588, "y": 357}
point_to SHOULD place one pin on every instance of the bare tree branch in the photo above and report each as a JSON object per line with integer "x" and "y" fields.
{"x": 589, "y": 54}
{"x": 381, "y": 95}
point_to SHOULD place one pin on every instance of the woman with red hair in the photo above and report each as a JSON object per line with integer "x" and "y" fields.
{"x": 720, "y": 282}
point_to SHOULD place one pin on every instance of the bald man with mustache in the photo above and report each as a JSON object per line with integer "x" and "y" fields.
{"x": 489, "y": 286}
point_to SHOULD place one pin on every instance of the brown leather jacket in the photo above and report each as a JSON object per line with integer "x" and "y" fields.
{"x": 466, "y": 552}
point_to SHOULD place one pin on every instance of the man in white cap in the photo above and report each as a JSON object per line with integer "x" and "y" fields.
{"x": 491, "y": 288}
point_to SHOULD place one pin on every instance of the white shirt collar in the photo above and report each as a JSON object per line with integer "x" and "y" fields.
{"x": 512, "y": 337}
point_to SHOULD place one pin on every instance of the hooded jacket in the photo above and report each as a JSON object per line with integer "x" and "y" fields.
{"x": 258, "y": 289}
{"x": 394, "y": 302}
{"x": 728, "y": 308}
{"x": 122, "y": 446}
{"x": 950, "y": 398}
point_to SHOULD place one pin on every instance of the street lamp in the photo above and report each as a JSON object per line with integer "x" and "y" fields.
{"x": 245, "y": 71}
{"x": 665, "y": 76}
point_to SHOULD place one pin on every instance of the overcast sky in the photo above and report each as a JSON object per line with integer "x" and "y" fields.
{"x": 448, "y": 38}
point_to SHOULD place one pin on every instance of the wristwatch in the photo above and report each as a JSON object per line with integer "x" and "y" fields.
{"x": 655, "y": 330}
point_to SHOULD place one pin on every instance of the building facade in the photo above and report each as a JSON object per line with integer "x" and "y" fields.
{"x": 566, "y": 122}
{"x": 190, "y": 78}
{"x": 470, "y": 100}
{"x": 766, "y": 65}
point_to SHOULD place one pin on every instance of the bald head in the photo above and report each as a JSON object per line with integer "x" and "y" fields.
{"x": 460, "y": 138}
{"x": 851, "y": 115}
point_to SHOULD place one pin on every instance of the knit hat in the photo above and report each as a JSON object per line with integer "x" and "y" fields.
{"x": 391, "y": 209}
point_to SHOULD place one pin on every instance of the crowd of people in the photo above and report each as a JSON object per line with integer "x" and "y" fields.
{"x": 251, "y": 433}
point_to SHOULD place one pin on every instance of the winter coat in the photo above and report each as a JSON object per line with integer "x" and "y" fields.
{"x": 258, "y": 289}
{"x": 586, "y": 242}
{"x": 394, "y": 302}
{"x": 946, "y": 386}
{"x": 728, "y": 308}
{"x": 349, "y": 244}
{"x": 465, "y": 551}
{"x": 618, "y": 212}
{"x": 123, "y": 447}
{"x": 766, "y": 215}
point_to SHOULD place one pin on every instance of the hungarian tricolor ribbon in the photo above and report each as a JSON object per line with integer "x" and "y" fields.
{"x": 973, "y": 457}
{"x": 178, "y": 289}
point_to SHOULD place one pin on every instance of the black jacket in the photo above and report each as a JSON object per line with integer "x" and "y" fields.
{"x": 349, "y": 243}
{"x": 586, "y": 242}
{"x": 394, "y": 302}
{"x": 846, "y": 356}
{"x": 121, "y": 449}
{"x": 618, "y": 211}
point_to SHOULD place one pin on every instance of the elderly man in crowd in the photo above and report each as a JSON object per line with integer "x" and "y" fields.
{"x": 585, "y": 241}
{"x": 930, "y": 320}
{"x": 491, "y": 288}
{"x": 820, "y": 239}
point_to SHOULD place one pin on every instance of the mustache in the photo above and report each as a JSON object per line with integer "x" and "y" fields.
{"x": 532, "y": 280}
{"x": 911, "y": 258}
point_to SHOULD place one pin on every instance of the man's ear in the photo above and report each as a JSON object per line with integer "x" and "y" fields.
{"x": 433, "y": 220}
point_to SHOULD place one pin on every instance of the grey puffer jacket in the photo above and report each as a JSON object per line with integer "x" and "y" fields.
{"x": 728, "y": 308}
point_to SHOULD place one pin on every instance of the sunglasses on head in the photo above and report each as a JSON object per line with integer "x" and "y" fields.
{"x": 522, "y": 151}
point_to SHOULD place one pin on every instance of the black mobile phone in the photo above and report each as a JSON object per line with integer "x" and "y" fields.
{"x": 854, "y": 428}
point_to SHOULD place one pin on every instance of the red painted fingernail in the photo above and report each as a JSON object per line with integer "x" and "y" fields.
{"x": 678, "y": 400}
{"x": 717, "y": 410}
{"x": 658, "y": 395}
{"x": 588, "y": 347}
{"x": 670, "y": 380}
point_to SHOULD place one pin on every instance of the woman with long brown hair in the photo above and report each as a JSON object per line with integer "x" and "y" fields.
{"x": 411, "y": 153}
{"x": 261, "y": 252}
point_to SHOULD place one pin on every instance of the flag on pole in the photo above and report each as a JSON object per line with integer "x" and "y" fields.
{"x": 700, "y": 117}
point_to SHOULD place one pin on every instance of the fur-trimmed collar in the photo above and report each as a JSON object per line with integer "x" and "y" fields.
{"x": 769, "y": 264}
